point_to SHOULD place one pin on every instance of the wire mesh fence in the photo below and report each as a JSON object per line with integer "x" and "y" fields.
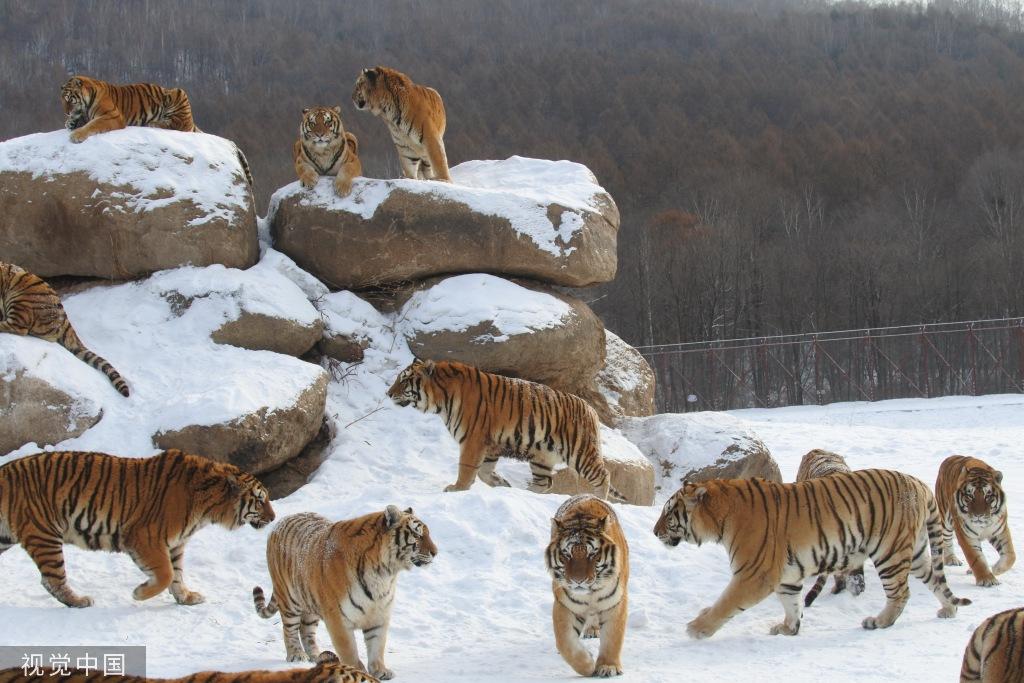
{"x": 921, "y": 361}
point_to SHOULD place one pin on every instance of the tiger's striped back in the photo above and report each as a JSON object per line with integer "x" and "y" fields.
{"x": 29, "y": 306}
{"x": 995, "y": 652}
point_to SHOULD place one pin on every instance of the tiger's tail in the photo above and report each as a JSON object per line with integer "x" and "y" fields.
{"x": 816, "y": 589}
{"x": 245, "y": 168}
{"x": 70, "y": 341}
{"x": 936, "y": 579}
{"x": 615, "y": 494}
{"x": 263, "y": 608}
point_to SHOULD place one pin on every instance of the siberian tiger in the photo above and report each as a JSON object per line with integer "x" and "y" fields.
{"x": 146, "y": 507}
{"x": 29, "y": 306}
{"x": 821, "y": 463}
{"x": 995, "y": 653}
{"x": 492, "y": 415}
{"x": 325, "y": 148}
{"x": 92, "y": 106}
{"x": 327, "y": 670}
{"x": 344, "y": 573}
{"x": 777, "y": 535}
{"x": 588, "y": 559}
{"x": 415, "y": 117}
{"x": 973, "y": 506}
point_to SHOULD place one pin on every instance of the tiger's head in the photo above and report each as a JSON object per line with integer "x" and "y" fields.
{"x": 76, "y": 96}
{"x": 321, "y": 127}
{"x": 410, "y": 542}
{"x": 236, "y": 498}
{"x": 414, "y": 385}
{"x": 366, "y": 90}
{"x": 329, "y": 668}
{"x": 980, "y": 497}
{"x": 681, "y": 516}
{"x": 582, "y": 557}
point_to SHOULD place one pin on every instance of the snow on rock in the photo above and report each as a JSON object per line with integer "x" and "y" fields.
{"x": 349, "y": 325}
{"x": 699, "y": 446}
{"x": 626, "y": 382}
{"x": 124, "y": 203}
{"x": 631, "y": 473}
{"x": 548, "y": 220}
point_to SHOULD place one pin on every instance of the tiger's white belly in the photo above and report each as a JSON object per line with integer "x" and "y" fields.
{"x": 359, "y": 611}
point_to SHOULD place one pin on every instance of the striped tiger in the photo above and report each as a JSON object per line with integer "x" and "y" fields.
{"x": 821, "y": 463}
{"x": 588, "y": 559}
{"x": 492, "y": 415}
{"x": 972, "y": 505}
{"x": 777, "y": 535}
{"x": 995, "y": 652}
{"x": 415, "y": 117}
{"x": 344, "y": 573}
{"x": 325, "y": 148}
{"x": 327, "y": 670}
{"x": 146, "y": 507}
{"x": 93, "y": 106}
{"x": 29, "y": 306}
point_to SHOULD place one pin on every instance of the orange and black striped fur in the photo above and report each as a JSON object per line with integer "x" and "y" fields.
{"x": 777, "y": 535}
{"x": 972, "y": 505}
{"x": 325, "y": 148}
{"x": 327, "y": 670}
{"x": 995, "y": 652}
{"x": 146, "y": 507}
{"x": 415, "y": 116}
{"x": 588, "y": 559}
{"x": 822, "y": 463}
{"x": 29, "y": 306}
{"x": 492, "y": 415}
{"x": 344, "y": 573}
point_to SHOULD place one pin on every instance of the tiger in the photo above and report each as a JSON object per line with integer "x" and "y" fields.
{"x": 29, "y": 306}
{"x": 344, "y": 573}
{"x": 972, "y": 505}
{"x": 777, "y": 535}
{"x": 93, "y": 106}
{"x": 328, "y": 669}
{"x": 325, "y": 148}
{"x": 415, "y": 117}
{"x": 492, "y": 415}
{"x": 995, "y": 652}
{"x": 821, "y": 463}
{"x": 588, "y": 559}
{"x": 146, "y": 507}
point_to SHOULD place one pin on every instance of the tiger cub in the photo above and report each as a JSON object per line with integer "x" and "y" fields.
{"x": 92, "y": 106}
{"x": 146, "y": 507}
{"x": 492, "y": 415}
{"x": 821, "y": 463}
{"x": 327, "y": 670}
{"x": 588, "y": 559}
{"x": 776, "y": 535}
{"x": 415, "y": 117}
{"x": 972, "y": 505}
{"x": 325, "y": 148}
{"x": 344, "y": 573}
{"x": 995, "y": 652}
{"x": 29, "y": 306}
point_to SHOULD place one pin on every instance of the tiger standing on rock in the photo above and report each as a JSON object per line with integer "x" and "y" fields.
{"x": 29, "y": 306}
{"x": 995, "y": 652}
{"x": 344, "y": 573}
{"x": 821, "y": 463}
{"x": 146, "y": 507}
{"x": 588, "y": 559}
{"x": 972, "y": 505}
{"x": 777, "y": 535}
{"x": 415, "y": 117}
{"x": 492, "y": 415}
{"x": 325, "y": 148}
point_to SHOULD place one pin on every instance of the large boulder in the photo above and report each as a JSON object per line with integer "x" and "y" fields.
{"x": 530, "y": 332}
{"x": 700, "y": 446}
{"x": 631, "y": 473}
{"x": 547, "y": 220}
{"x": 626, "y": 382}
{"x": 124, "y": 204}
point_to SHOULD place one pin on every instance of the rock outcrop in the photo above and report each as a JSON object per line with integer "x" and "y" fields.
{"x": 626, "y": 382}
{"x": 124, "y": 204}
{"x": 631, "y": 473}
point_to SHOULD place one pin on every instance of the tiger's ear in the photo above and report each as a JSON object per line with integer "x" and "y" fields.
{"x": 428, "y": 367}
{"x": 337, "y": 110}
{"x": 326, "y": 657}
{"x": 695, "y": 497}
{"x": 409, "y": 511}
{"x": 392, "y": 515}
{"x": 76, "y": 82}
{"x": 234, "y": 486}
{"x": 371, "y": 74}
{"x": 306, "y": 110}
{"x": 999, "y": 476}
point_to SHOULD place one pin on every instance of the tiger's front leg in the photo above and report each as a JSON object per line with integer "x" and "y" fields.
{"x": 48, "y": 554}
{"x": 613, "y": 632}
{"x": 567, "y": 627}
{"x": 155, "y": 562}
{"x": 182, "y": 595}
{"x": 376, "y": 642}
{"x": 983, "y": 576}
{"x": 471, "y": 455}
{"x": 738, "y": 595}
{"x": 107, "y": 121}
{"x": 342, "y": 639}
{"x": 1004, "y": 544}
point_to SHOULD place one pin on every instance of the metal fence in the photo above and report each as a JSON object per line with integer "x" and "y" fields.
{"x": 962, "y": 358}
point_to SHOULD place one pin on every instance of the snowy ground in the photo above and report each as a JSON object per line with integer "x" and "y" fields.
{"x": 482, "y": 610}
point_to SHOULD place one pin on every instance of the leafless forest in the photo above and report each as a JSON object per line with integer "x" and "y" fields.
{"x": 780, "y": 166}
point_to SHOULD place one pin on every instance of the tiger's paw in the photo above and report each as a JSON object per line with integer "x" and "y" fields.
{"x": 592, "y": 632}
{"x": 77, "y": 136}
{"x": 298, "y": 657}
{"x": 190, "y": 598}
{"x": 870, "y": 623}
{"x": 947, "y": 612}
{"x": 699, "y": 628}
{"x": 986, "y": 581}
{"x": 784, "y": 630}
{"x": 453, "y": 487}
{"x": 855, "y": 584}
{"x": 383, "y": 673}
{"x": 952, "y": 561}
{"x": 342, "y": 188}
{"x": 1002, "y": 566}
{"x": 308, "y": 180}
{"x": 78, "y": 601}
{"x": 607, "y": 670}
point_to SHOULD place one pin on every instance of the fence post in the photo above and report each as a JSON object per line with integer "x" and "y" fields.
{"x": 870, "y": 370}
{"x": 817, "y": 372}
{"x": 972, "y": 350}
{"x": 925, "y": 384}
{"x": 1020, "y": 350}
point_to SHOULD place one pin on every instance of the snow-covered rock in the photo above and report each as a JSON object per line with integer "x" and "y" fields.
{"x": 626, "y": 382}
{"x": 530, "y": 332}
{"x": 700, "y": 446}
{"x": 631, "y": 473}
{"x": 547, "y": 220}
{"x": 124, "y": 204}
